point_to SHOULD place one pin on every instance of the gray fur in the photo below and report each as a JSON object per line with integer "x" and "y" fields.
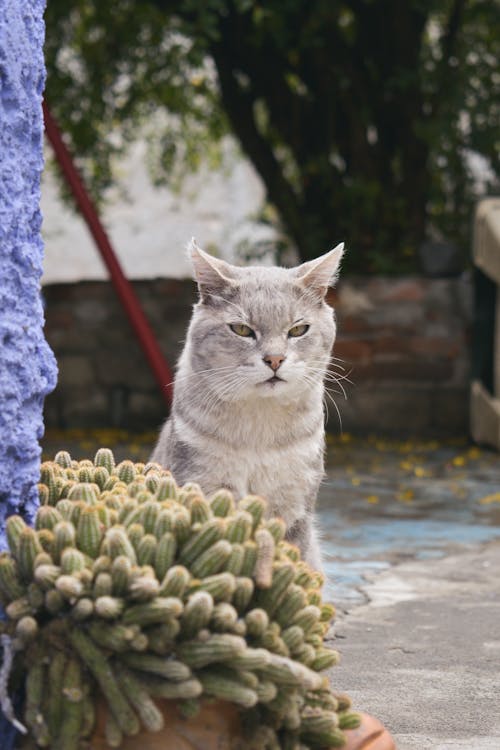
{"x": 228, "y": 426}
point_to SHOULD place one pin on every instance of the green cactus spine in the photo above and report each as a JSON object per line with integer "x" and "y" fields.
{"x": 221, "y": 586}
{"x": 349, "y": 720}
{"x": 254, "y": 505}
{"x": 257, "y": 622}
{"x": 270, "y": 599}
{"x": 216, "y": 648}
{"x": 249, "y": 558}
{"x": 277, "y": 527}
{"x": 36, "y": 681}
{"x": 166, "y": 489}
{"x": 212, "y": 560}
{"x": 151, "y": 613}
{"x": 234, "y": 562}
{"x": 10, "y": 585}
{"x": 210, "y": 532}
{"x": 139, "y": 698}
{"x": 72, "y": 560}
{"x": 68, "y": 737}
{"x": 239, "y": 527}
{"x": 324, "y": 659}
{"x": 84, "y": 490}
{"x": 175, "y": 582}
{"x": 200, "y": 510}
{"x": 146, "y": 550}
{"x": 164, "y": 523}
{"x": 243, "y": 593}
{"x": 108, "y": 607}
{"x": 224, "y": 617}
{"x": 169, "y": 669}
{"x": 64, "y": 536}
{"x": 144, "y": 588}
{"x": 47, "y": 517}
{"x": 27, "y": 629}
{"x": 117, "y": 543}
{"x": 98, "y": 665}
{"x": 14, "y": 527}
{"x": 121, "y": 571}
{"x": 188, "y": 689}
{"x": 228, "y": 687}
{"x": 265, "y": 556}
{"x": 222, "y": 503}
{"x": 165, "y": 554}
{"x": 69, "y": 586}
{"x": 197, "y": 613}
{"x": 104, "y": 457}
{"x": 57, "y": 666}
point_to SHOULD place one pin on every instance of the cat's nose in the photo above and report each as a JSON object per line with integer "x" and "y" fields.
{"x": 273, "y": 361}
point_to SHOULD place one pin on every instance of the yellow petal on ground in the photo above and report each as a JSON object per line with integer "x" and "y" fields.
{"x": 419, "y": 471}
{"x": 487, "y": 499}
{"x": 473, "y": 453}
{"x": 406, "y": 496}
{"x": 355, "y": 481}
{"x": 373, "y": 499}
{"x": 458, "y": 461}
{"x": 406, "y": 465}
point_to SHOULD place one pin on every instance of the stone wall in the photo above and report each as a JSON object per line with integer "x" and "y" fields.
{"x": 404, "y": 343}
{"x": 407, "y": 342}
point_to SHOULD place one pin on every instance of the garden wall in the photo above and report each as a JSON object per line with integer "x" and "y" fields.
{"x": 406, "y": 342}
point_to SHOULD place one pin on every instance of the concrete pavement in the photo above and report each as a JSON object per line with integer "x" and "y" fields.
{"x": 423, "y": 654}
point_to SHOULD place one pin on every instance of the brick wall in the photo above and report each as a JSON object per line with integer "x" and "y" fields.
{"x": 407, "y": 342}
{"x": 404, "y": 341}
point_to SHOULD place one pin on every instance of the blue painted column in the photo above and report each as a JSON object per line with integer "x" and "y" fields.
{"x": 28, "y": 370}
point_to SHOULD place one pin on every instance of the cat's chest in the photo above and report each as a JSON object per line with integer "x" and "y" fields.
{"x": 288, "y": 477}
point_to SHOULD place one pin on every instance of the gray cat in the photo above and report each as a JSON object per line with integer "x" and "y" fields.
{"x": 247, "y": 412}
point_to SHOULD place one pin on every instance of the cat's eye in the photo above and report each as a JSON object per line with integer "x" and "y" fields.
{"x": 297, "y": 331}
{"x": 242, "y": 330}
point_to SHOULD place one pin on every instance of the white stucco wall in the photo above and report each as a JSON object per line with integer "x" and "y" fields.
{"x": 149, "y": 227}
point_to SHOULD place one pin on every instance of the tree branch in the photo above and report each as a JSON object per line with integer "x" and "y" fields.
{"x": 238, "y": 105}
{"x": 448, "y": 43}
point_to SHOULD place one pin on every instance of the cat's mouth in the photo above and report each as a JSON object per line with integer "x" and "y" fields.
{"x": 272, "y": 381}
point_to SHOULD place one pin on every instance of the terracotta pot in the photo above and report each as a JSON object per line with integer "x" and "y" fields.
{"x": 217, "y": 727}
{"x": 370, "y": 735}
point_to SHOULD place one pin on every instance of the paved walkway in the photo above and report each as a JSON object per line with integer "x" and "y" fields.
{"x": 411, "y": 538}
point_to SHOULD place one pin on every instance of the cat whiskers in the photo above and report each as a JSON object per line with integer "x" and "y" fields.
{"x": 197, "y": 373}
{"x": 308, "y": 378}
{"x": 232, "y": 383}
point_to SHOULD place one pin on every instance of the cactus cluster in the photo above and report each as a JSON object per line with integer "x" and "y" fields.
{"x": 146, "y": 590}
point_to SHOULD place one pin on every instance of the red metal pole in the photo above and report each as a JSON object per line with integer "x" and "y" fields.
{"x": 123, "y": 288}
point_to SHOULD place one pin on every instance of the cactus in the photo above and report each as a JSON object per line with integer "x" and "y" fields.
{"x": 137, "y": 589}
{"x": 212, "y": 560}
{"x": 197, "y": 613}
{"x": 265, "y": 556}
{"x": 164, "y": 554}
{"x": 221, "y": 685}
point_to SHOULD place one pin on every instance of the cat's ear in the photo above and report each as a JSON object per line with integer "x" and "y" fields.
{"x": 322, "y": 272}
{"x": 212, "y": 275}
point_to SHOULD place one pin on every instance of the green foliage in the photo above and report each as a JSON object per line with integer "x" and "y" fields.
{"x": 360, "y": 116}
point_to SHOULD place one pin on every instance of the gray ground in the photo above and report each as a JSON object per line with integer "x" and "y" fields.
{"x": 411, "y": 537}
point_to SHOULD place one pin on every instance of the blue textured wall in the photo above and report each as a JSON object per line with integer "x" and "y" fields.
{"x": 27, "y": 367}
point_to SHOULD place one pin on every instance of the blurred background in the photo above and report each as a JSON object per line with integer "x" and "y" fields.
{"x": 271, "y": 132}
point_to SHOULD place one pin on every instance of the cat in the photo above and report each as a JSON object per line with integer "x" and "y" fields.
{"x": 247, "y": 411}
